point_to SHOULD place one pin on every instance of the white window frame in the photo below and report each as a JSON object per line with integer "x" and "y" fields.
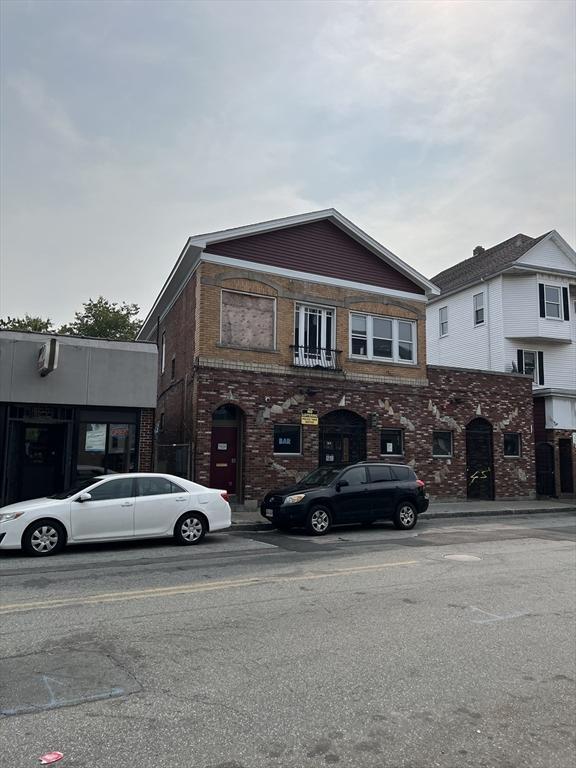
{"x": 301, "y": 355}
{"x": 556, "y": 303}
{"x": 478, "y": 308}
{"x": 395, "y": 340}
{"x": 258, "y": 296}
{"x": 536, "y": 377}
{"x": 442, "y": 322}
{"x": 282, "y": 453}
{"x": 163, "y": 352}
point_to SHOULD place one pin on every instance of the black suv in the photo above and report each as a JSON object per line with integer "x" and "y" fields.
{"x": 358, "y": 493}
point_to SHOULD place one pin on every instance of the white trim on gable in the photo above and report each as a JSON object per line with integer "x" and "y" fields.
{"x": 310, "y": 277}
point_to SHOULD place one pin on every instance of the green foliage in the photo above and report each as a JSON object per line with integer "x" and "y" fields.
{"x": 105, "y": 320}
{"x": 26, "y": 323}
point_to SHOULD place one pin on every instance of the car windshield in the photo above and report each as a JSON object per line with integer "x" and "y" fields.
{"x": 321, "y": 476}
{"x": 80, "y": 486}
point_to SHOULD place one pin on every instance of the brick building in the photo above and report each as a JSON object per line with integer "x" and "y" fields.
{"x": 302, "y": 341}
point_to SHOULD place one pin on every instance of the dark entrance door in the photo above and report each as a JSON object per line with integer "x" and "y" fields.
{"x": 224, "y": 458}
{"x": 545, "y": 480}
{"x": 342, "y": 438}
{"x": 479, "y": 460}
{"x": 226, "y": 449}
{"x": 41, "y": 459}
{"x": 566, "y": 471}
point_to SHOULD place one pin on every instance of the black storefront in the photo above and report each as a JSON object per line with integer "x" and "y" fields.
{"x": 45, "y": 448}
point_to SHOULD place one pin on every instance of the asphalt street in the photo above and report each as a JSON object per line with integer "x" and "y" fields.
{"x": 453, "y": 645}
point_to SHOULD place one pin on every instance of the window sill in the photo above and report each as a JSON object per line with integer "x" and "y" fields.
{"x": 479, "y": 325}
{"x": 512, "y": 457}
{"x": 444, "y": 456}
{"x": 268, "y": 351}
{"x": 392, "y": 455}
{"x": 381, "y": 361}
{"x": 287, "y": 455}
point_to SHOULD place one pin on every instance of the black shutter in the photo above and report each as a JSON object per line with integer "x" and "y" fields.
{"x": 566, "y": 304}
{"x": 542, "y": 302}
{"x": 520, "y": 354}
{"x": 540, "y": 367}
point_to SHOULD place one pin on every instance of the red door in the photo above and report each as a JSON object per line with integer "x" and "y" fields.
{"x": 223, "y": 460}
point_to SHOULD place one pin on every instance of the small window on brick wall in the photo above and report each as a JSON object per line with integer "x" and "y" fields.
{"x": 287, "y": 438}
{"x": 442, "y": 444}
{"x": 391, "y": 442}
{"x": 512, "y": 444}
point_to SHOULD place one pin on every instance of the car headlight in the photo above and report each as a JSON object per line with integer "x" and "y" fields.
{"x": 5, "y": 516}
{"x": 294, "y": 499}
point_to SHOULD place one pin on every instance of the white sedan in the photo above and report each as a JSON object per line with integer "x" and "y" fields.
{"x": 111, "y": 508}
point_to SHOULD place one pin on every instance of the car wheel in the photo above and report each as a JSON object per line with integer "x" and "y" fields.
{"x": 190, "y": 529}
{"x": 44, "y": 537}
{"x": 319, "y": 521}
{"x": 405, "y": 516}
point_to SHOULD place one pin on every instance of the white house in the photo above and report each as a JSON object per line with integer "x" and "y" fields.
{"x": 512, "y": 307}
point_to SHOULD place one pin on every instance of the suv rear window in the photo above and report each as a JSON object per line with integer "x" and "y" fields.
{"x": 403, "y": 473}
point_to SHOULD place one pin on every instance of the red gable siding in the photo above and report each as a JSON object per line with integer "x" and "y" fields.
{"x": 318, "y": 248}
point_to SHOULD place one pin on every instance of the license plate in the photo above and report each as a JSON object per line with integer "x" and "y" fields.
{"x": 269, "y": 512}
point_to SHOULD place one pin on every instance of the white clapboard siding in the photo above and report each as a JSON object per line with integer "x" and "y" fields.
{"x": 559, "y": 361}
{"x": 548, "y": 254}
{"x": 465, "y": 345}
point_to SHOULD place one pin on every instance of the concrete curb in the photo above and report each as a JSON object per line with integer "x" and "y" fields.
{"x": 438, "y": 516}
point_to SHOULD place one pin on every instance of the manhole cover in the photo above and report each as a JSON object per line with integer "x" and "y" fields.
{"x": 463, "y": 558}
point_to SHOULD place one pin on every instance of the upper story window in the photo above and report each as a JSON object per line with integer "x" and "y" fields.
{"x": 382, "y": 338}
{"x": 314, "y": 336}
{"x": 478, "y": 309}
{"x": 532, "y": 364}
{"x": 163, "y": 353}
{"x": 443, "y": 321}
{"x": 550, "y": 301}
{"x": 247, "y": 320}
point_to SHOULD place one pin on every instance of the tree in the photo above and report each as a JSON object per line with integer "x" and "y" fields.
{"x": 26, "y": 323}
{"x": 105, "y": 320}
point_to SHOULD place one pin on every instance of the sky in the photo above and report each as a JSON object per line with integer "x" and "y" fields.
{"x": 128, "y": 126}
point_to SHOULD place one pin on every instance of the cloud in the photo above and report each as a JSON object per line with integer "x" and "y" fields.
{"x": 435, "y": 126}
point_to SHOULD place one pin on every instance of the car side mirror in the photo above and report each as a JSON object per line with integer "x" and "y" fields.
{"x": 84, "y": 497}
{"x": 341, "y": 484}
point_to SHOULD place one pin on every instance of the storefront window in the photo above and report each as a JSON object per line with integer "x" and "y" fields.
{"x": 105, "y": 449}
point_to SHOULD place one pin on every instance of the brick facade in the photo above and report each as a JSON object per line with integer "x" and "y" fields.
{"x": 449, "y": 401}
{"x": 146, "y": 440}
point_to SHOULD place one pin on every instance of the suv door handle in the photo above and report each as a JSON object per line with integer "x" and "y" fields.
{"x": 180, "y": 498}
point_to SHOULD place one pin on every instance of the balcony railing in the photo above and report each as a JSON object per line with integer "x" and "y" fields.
{"x": 316, "y": 357}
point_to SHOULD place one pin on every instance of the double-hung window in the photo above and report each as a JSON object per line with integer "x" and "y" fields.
{"x": 443, "y": 320}
{"x": 532, "y": 364}
{"x": 382, "y": 338}
{"x": 478, "y": 309}
{"x": 314, "y": 330}
{"x": 550, "y": 301}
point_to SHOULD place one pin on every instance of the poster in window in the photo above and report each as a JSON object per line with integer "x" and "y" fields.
{"x": 95, "y": 441}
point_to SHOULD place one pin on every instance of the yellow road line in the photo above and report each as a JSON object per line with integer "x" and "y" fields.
{"x": 141, "y": 594}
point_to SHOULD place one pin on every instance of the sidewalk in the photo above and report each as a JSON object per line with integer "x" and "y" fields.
{"x": 251, "y": 520}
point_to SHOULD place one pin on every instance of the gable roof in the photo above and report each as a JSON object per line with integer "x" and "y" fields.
{"x": 328, "y": 214}
{"x": 489, "y": 262}
{"x": 198, "y": 248}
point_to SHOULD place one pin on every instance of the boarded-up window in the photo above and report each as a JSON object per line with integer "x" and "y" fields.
{"x": 247, "y": 321}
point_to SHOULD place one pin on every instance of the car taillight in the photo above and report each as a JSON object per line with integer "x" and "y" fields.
{"x": 224, "y": 495}
{"x": 420, "y": 483}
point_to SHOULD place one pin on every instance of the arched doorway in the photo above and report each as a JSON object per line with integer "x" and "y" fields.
{"x": 226, "y": 449}
{"x": 342, "y": 438}
{"x": 479, "y": 460}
